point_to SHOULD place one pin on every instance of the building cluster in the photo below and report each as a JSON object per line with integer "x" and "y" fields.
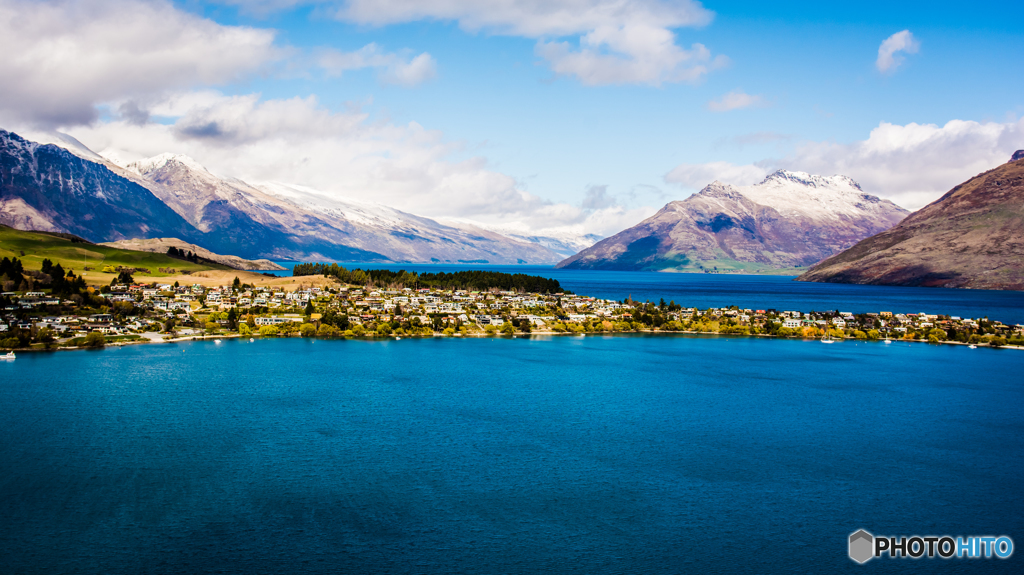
{"x": 127, "y": 309}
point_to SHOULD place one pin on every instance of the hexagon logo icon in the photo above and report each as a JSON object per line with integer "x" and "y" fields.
{"x": 861, "y": 546}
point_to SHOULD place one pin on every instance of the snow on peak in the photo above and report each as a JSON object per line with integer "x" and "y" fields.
{"x": 150, "y": 165}
{"x": 837, "y": 182}
{"x": 357, "y": 211}
{"x": 822, "y": 198}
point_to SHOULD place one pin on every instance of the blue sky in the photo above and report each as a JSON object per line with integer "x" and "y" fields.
{"x": 506, "y": 126}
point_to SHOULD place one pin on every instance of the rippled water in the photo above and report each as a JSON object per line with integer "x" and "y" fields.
{"x": 625, "y": 454}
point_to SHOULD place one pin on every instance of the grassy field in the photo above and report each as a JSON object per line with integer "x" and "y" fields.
{"x": 33, "y": 247}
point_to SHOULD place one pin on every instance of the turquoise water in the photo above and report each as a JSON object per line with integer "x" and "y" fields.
{"x": 625, "y": 454}
{"x": 757, "y": 291}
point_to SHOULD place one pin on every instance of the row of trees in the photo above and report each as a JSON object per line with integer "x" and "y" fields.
{"x": 477, "y": 280}
{"x": 183, "y": 255}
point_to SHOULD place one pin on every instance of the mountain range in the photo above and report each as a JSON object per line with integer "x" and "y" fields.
{"x": 788, "y": 221}
{"x": 972, "y": 237}
{"x": 69, "y": 188}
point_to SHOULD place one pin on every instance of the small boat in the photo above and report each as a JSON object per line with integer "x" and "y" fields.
{"x": 827, "y": 338}
{"x": 251, "y": 340}
{"x": 216, "y": 341}
{"x": 397, "y": 338}
{"x": 10, "y": 355}
{"x": 972, "y": 346}
{"x": 887, "y": 341}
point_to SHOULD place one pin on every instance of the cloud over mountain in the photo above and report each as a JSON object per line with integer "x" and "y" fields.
{"x": 911, "y": 165}
{"x": 598, "y": 42}
{"x": 63, "y": 58}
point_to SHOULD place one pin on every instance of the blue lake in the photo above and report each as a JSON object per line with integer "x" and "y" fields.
{"x": 624, "y": 454}
{"x": 757, "y": 291}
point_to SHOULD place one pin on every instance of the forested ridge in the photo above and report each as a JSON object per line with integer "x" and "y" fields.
{"x": 477, "y": 280}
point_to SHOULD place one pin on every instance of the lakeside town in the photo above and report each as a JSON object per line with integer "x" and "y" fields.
{"x": 70, "y": 314}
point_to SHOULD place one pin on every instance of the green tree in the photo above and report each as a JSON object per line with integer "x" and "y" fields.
{"x": 269, "y": 330}
{"x": 94, "y": 339}
{"x": 237, "y": 284}
{"x": 244, "y": 329}
{"x": 307, "y": 330}
{"x": 310, "y": 310}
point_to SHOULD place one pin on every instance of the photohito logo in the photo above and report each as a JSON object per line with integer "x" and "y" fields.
{"x": 864, "y": 546}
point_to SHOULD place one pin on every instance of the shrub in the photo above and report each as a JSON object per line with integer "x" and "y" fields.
{"x": 307, "y": 330}
{"x": 94, "y": 339}
{"x": 997, "y": 341}
{"x": 244, "y": 329}
{"x": 328, "y": 330}
{"x": 449, "y": 331}
{"x": 10, "y": 342}
{"x": 269, "y": 330}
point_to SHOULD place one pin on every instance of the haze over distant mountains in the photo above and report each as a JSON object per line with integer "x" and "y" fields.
{"x": 972, "y": 237}
{"x": 47, "y": 187}
{"x": 789, "y": 220}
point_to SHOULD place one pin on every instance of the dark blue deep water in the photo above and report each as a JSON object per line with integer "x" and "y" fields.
{"x": 626, "y": 454}
{"x": 757, "y": 291}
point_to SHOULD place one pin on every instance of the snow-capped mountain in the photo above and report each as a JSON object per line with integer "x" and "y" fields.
{"x": 46, "y": 187}
{"x": 269, "y": 220}
{"x": 789, "y": 220}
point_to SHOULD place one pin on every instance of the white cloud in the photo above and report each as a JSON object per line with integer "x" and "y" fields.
{"x": 395, "y": 68}
{"x": 620, "y": 41}
{"x": 62, "y": 57}
{"x": 696, "y": 176}
{"x": 888, "y": 57}
{"x": 912, "y": 165}
{"x": 736, "y": 100}
{"x": 344, "y": 154}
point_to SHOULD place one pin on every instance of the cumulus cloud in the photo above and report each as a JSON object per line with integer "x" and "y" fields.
{"x": 394, "y": 68}
{"x": 620, "y": 41}
{"x": 696, "y": 176}
{"x": 64, "y": 57}
{"x": 888, "y": 52}
{"x": 344, "y": 154}
{"x": 736, "y": 100}
{"x": 911, "y": 165}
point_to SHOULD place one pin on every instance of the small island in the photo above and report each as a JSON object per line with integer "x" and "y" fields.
{"x": 56, "y": 309}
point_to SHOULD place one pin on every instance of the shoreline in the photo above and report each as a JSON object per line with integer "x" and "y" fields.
{"x": 146, "y": 340}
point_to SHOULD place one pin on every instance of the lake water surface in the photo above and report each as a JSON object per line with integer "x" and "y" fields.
{"x": 598, "y": 454}
{"x": 756, "y": 291}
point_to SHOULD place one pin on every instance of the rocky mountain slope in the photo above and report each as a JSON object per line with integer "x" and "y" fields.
{"x": 161, "y": 245}
{"x": 972, "y": 237}
{"x": 789, "y": 220}
{"x": 47, "y": 187}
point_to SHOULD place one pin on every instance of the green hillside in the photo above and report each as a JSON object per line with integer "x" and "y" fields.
{"x": 33, "y": 247}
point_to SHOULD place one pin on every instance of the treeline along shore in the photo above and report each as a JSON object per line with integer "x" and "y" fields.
{"x": 54, "y": 309}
